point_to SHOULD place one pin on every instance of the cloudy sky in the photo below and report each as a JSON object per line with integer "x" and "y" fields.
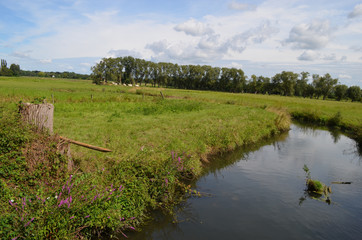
{"x": 260, "y": 37}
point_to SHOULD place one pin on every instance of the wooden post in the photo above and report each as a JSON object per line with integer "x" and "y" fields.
{"x": 162, "y": 95}
{"x": 64, "y": 149}
{"x": 39, "y": 115}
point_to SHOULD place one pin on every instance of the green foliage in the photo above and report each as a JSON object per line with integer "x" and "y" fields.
{"x": 335, "y": 120}
{"x": 307, "y": 172}
{"x": 354, "y": 93}
{"x": 38, "y": 100}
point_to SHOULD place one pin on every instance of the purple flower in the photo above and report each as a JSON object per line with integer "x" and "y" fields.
{"x": 70, "y": 199}
{"x": 11, "y": 203}
{"x": 71, "y": 217}
{"x": 87, "y": 216}
{"x": 132, "y": 228}
{"x": 27, "y": 224}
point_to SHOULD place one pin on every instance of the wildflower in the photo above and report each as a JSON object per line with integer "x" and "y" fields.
{"x": 27, "y": 224}
{"x": 87, "y": 216}
{"x": 48, "y": 198}
{"x": 11, "y": 202}
{"x": 56, "y": 196}
{"x": 132, "y": 228}
{"x": 71, "y": 217}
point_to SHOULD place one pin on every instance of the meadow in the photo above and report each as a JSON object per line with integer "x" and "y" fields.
{"x": 158, "y": 142}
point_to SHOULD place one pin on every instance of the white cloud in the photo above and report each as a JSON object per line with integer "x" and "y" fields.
{"x": 194, "y": 28}
{"x": 357, "y": 48}
{"x": 19, "y": 54}
{"x": 308, "y": 55}
{"x": 212, "y": 47}
{"x": 344, "y": 76}
{"x": 45, "y": 61}
{"x": 241, "y": 6}
{"x": 86, "y": 64}
{"x": 124, "y": 53}
{"x": 329, "y": 57}
{"x": 236, "y": 65}
{"x": 312, "y": 36}
{"x": 357, "y": 11}
{"x": 256, "y": 35}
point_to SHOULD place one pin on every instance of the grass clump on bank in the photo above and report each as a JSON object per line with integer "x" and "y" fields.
{"x": 39, "y": 200}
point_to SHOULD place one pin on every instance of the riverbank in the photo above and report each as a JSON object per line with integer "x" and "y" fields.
{"x": 157, "y": 144}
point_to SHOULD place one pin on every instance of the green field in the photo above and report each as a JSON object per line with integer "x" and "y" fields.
{"x": 145, "y": 132}
{"x": 125, "y": 120}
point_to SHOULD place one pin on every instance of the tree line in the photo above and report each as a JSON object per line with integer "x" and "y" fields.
{"x": 14, "y": 70}
{"x": 129, "y": 70}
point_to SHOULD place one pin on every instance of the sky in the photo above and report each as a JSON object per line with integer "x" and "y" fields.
{"x": 262, "y": 37}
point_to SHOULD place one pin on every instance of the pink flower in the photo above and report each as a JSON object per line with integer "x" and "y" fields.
{"x": 27, "y": 224}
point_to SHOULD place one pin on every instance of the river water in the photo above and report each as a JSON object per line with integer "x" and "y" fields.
{"x": 260, "y": 194}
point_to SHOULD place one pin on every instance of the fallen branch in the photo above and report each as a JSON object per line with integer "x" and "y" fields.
{"x": 85, "y": 145}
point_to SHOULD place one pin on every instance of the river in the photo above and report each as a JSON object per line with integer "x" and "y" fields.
{"x": 260, "y": 193}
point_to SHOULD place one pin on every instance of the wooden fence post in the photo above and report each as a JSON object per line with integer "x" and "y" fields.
{"x": 40, "y": 115}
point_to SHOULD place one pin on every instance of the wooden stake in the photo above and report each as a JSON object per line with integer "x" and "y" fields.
{"x": 85, "y": 145}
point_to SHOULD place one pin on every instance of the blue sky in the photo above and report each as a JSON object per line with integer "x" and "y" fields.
{"x": 260, "y": 37}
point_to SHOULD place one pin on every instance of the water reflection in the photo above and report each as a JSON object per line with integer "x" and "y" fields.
{"x": 264, "y": 188}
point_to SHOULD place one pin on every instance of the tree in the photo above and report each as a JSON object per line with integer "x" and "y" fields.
{"x": 341, "y": 92}
{"x": 5, "y": 71}
{"x": 354, "y": 93}
{"x": 289, "y": 80}
{"x": 324, "y": 85}
{"x": 302, "y": 85}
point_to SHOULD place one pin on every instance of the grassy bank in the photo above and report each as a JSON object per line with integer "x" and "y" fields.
{"x": 331, "y": 113}
{"x": 157, "y": 144}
